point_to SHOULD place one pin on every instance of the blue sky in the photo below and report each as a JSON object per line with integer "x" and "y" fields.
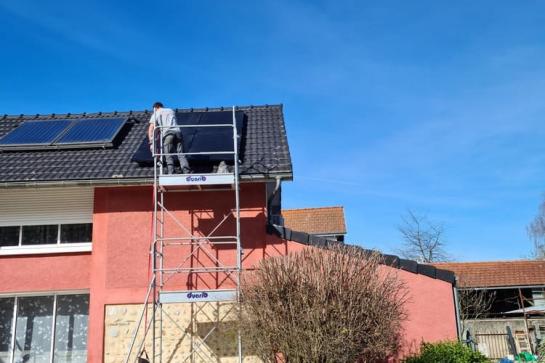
{"x": 433, "y": 106}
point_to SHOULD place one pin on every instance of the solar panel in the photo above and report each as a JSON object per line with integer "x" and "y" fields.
{"x": 34, "y": 134}
{"x": 91, "y": 131}
{"x": 201, "y": 139}
{"x": 209, "y": 139}
{"x": 53, "y": 134}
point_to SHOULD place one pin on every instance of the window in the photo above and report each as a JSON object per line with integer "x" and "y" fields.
{"x": 76, "y": 233}
{"x": 44, "y": 329}
{"x": 46, "y": 238}
{"x": 39, "y": 235}
{"x": 9, "y": 236}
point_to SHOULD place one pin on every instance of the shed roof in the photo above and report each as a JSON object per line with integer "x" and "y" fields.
{"x": 319, "y": 221}
{"x": 264, "y": 150}
{"x": 497, "y": 273}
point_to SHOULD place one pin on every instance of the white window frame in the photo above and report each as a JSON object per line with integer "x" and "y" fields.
{"x": 57, "y": 247}
{"x": 55, "y": 294}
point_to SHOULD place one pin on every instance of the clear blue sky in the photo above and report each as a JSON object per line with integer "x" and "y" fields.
{"x": 436, "y": 106}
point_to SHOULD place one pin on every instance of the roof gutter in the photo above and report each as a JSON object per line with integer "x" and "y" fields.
{"x": 123, "y": 181}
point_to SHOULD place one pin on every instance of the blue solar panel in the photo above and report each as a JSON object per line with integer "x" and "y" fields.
{"x": 92, "y": 131}
{"x": 34, "y": 133}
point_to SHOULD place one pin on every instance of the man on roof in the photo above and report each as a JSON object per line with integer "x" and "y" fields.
{"x": 171, "y": 135}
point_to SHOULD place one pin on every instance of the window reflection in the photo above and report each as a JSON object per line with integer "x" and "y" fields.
{"x": 6, "y": 321}
{"x": 33, "y": 323}
{"x": 33, "y": 329}
{"x": 71, "y": 329}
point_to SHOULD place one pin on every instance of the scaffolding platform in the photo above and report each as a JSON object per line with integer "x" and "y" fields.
{"x": 168, "y": 180}
{"x": 188, "y": 296}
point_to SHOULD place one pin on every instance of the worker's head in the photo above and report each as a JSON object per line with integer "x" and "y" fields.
{"x": 157, "y": 105}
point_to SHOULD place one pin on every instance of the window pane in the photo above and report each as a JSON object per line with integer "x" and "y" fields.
{"x": 6, "y": 321}
{"x": 71, "y": 329}
{"x": 33, "y": 329}
{"x": 39, "y": 235}
{"x": 73, "y": 233}
{"x": 9, "y": 236}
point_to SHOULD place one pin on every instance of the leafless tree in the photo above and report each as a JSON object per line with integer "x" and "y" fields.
{"x": 321, "y": 306}
{"x": 536, "y": 231}
{"x": 474, "y": 304}
{"x": 422, "y": 239}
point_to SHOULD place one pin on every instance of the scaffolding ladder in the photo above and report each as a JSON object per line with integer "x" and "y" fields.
{"x": 192, "y": 246}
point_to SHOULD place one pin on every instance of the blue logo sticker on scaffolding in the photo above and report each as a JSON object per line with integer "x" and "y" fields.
{"x": 197, "y": 295}
{"x": 196, "y": 178}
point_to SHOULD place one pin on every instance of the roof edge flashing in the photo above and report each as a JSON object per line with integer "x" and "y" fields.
{"x": 387, "y": 260}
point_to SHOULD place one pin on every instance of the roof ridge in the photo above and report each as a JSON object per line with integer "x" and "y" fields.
{"x": 130, "y": 112}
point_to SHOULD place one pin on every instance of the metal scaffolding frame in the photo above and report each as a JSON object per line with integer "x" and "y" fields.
{"x": 151, "y": 322}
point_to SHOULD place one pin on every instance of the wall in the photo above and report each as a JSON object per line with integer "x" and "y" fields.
{"x": 122, "y": 232}
{"x": 117, "y": 271}
{"x": 430, "y": 309}
{"x": 38, "y": 273}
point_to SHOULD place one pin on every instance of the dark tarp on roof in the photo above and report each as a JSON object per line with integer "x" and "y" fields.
{"x": 264, "y": 150}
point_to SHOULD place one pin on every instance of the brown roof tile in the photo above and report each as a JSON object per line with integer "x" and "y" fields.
{"x": 497, "y": 273}
{"x": 325, "y": 220}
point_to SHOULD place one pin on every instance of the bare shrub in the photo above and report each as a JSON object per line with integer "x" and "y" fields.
{"x": 323, "y": 305}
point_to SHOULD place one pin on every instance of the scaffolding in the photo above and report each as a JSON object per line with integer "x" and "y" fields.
{"x": 185, "y": 257}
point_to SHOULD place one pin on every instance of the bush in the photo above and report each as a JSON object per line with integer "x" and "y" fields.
{"x": 446, "y": 352}
{"x": 322, "y": 306}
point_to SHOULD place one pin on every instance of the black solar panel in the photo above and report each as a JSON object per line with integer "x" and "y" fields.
{"x": 202, "y": 139}
{"x": 34, "y": 134}
{"x": 53, "y": 134}
{"x": 209, "y": 139}
{"x": 91, "y": 131}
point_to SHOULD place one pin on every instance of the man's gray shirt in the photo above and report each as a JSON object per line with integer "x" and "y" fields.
{"x": 165, "y": 117}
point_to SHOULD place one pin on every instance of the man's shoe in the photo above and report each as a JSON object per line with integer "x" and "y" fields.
{"x": 187, "y": 171}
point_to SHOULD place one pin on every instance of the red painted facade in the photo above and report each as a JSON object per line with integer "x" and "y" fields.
{"x": 117, "y": 272}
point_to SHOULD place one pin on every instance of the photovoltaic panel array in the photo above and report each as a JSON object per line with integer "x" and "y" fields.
{"x": 202, "y": 139}
{"x": 35, "y": 133}
{"x": 91, "y": 131}
{"x": 55, "y": 134}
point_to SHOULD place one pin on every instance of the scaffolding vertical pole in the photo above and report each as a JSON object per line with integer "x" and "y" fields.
{"x": 237, "y": 217}
{"x": 154, "y": 245}
{"x": 161, "y": 265}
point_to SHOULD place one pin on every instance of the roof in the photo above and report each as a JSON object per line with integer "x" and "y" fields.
{"x": 264, "y": 150}
{"x": 497, "y": 273}
{"x": 388, "y": 260}
{"x": 320, "y": 221}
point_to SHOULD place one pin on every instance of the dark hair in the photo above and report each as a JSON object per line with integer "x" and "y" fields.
{"x": 158, "y": 105}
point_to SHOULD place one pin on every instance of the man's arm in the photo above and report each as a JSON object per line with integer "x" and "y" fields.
{"x": 150, "y": 132}
{"x": 151, "y": 127}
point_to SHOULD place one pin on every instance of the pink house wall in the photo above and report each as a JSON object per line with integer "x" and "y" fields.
{"x": 116, "y": 272}
{"x": 430, "y": 309}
